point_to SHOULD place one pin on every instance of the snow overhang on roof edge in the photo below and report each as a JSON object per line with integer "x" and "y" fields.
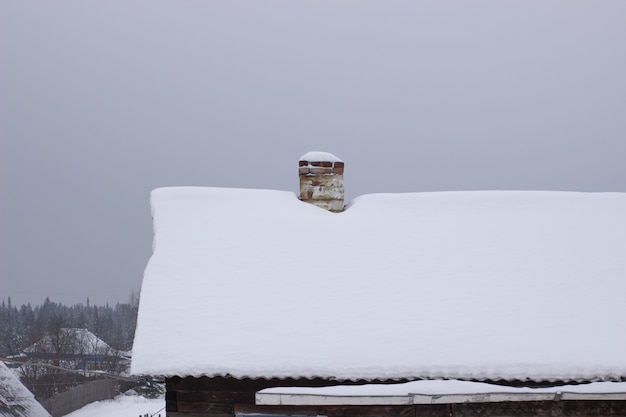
{"x": 504, "y": 380}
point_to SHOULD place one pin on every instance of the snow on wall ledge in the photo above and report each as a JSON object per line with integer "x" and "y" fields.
{"x": 464, "y": 285}
{"x": 435, "y": 392}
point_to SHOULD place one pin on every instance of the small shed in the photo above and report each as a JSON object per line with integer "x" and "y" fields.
{"x": 485, "y": 303}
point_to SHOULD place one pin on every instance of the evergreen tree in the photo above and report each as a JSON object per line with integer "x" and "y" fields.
{"x": 24, "y": 329}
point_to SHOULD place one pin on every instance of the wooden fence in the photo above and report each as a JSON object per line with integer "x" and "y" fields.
{"x": 77, "y": 397}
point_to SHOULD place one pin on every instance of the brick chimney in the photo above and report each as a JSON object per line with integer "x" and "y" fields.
{"x": 321, "y": 180}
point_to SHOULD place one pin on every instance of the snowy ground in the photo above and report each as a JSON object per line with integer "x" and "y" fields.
{"x": 122, "y": 406}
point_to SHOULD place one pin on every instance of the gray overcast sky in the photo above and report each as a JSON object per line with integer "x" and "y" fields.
{"x": 102, "y": 101}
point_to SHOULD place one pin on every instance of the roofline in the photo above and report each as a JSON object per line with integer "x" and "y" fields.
{"x": 528, "y": 381}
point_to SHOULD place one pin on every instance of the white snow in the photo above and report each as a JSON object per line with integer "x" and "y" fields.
{"x": 15, "y": 398}
{"x": 458, "y": 285}
{"x": 436, "y": 392}
{"x": 316, "y": 156}
{"x": 122, "y": 406}
{"x": 82, "y": 341}
{"x": 443, "y": 387}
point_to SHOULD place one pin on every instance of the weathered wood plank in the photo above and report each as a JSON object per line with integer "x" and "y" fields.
{"x": 541, "y": 409}
{"x": 330, "y": 411}
{"x": 246, "y": 384}
{"x": 220, "y": 397}
{"x": 432, "y": 410}
{"x": 189, "y": 407}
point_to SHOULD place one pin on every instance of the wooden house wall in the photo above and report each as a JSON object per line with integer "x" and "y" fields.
{"x": 226, "y": 397}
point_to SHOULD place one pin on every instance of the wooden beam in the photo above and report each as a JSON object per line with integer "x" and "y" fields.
{"x": 328, "y": 410}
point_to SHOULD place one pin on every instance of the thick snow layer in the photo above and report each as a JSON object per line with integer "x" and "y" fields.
{"x": 122, "y": 406}
{"x": 462, "y": 285}
{"x": 316, "y": 156}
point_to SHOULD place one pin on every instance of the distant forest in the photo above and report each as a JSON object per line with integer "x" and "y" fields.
{"x": 52, "y": 351}
{"x": 23, "y": 326}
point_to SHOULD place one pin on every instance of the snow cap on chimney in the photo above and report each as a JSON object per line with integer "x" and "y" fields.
{"x": 321, "y": 180}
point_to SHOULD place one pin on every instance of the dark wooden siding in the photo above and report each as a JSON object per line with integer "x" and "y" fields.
{"x": 224, "y": 397}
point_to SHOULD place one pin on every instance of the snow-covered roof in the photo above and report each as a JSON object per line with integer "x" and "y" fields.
{"x": 467, "y": 285}
{"x": 74, "y": 341}
{"x": 15, "y": 399}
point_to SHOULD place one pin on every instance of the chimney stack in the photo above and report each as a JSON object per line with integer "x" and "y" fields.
{"x": 321, "y": 180}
